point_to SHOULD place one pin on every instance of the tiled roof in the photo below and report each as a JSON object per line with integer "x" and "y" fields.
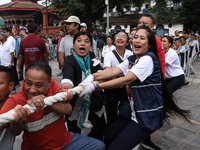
{"x": 21, "y": 5}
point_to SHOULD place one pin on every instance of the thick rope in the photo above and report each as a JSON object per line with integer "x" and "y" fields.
{"x": 7, "y": 117}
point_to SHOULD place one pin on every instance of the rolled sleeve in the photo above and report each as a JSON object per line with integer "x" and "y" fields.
{"x": 170, "y": 58}
{"x": 67, "y": 81}
{"x": 108, "y": 60}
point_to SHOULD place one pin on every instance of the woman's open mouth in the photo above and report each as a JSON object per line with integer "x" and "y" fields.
{"x": 82, "y": 50}
{"x": 120, "y": 41}
{"x": 137, "y": 47}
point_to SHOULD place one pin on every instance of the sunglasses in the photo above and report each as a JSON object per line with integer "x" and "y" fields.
{"x": 68, "y": 23}
{"x": 122, "y": 37}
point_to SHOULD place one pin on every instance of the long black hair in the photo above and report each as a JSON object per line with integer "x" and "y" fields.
{"x": 170, "y": 106}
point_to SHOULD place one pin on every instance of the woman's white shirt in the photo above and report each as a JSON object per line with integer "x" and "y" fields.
{"x": 142, "y": 69}
{"x": 111, "y": 61}
{"x": 173, "y": 69}
{"x": 106, "y": 49}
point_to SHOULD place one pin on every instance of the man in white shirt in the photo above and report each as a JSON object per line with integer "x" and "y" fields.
{"x": 66, "y": 45}
{"x": 12, "y": 41}
{"x": 6, "y": 54}
{"x": 6, "y": 51}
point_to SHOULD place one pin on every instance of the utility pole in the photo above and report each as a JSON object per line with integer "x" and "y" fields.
{"x": 47, "y": 21}
{"x": 107, "y": 3}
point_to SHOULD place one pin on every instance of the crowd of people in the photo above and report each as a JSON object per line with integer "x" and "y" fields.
{"x": 139, "y": 75}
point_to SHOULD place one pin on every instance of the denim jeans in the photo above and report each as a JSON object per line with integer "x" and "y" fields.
{"x": 83, "y": 142}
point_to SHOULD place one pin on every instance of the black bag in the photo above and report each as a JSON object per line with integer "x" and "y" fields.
{"x": 124, "y": 109}
{"x": 97, "y": 99}
{"x": 100, "y": 43}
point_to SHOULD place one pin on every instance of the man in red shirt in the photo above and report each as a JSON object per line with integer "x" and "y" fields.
{"x": 148, "y": 20}
{"x": 33, "y": 48}
{"x": 44, "y": 129}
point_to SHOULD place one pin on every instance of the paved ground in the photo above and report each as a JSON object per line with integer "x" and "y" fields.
{"x": 179, "y": 134}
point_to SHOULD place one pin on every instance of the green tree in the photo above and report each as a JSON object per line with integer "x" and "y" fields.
{"x": 91, "y": 10}
{"x": 190, "y": 11}
{"x": 165, "y": 13}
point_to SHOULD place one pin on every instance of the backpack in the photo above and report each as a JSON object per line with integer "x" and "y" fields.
{"x": 100, "y": 43}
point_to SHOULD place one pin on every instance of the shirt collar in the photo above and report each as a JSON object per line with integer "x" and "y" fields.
{"x": 3, "y": 43}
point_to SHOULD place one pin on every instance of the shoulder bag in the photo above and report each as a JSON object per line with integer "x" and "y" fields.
{"x": 124, "y": 106}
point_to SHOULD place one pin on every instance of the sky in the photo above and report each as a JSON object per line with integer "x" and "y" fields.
{"x": 8, "y": 1}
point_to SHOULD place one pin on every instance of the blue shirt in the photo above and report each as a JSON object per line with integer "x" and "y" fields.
{"x": 17, "y": 45}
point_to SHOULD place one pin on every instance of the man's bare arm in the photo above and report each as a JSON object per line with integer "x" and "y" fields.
{"x": 20, "y": 64}
{"x": 61, "y": 56}
{"x": 45, "y": 57}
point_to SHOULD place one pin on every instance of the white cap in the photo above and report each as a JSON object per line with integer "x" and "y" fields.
{"x": 83, "y": 24}
{"x": 73, "y": 19}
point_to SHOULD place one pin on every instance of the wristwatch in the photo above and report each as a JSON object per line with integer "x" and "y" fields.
{"x": 97, "y": 87}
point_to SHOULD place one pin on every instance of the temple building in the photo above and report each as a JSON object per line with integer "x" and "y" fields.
{"x": 51, "y": 21}
{"x": 21, "y": 12}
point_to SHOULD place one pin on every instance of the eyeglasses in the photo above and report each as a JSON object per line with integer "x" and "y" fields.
{"x": 123, "y": 37}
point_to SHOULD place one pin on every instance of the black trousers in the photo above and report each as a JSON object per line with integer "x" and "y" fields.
{"x": 97, "y": 131}
{"x": 174, "y": 83}
{"x": 21, "y": 77}
{"x": 14, "y": 75}
{"x": 113, "y": 96}
{"x": 124, "y": 134}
